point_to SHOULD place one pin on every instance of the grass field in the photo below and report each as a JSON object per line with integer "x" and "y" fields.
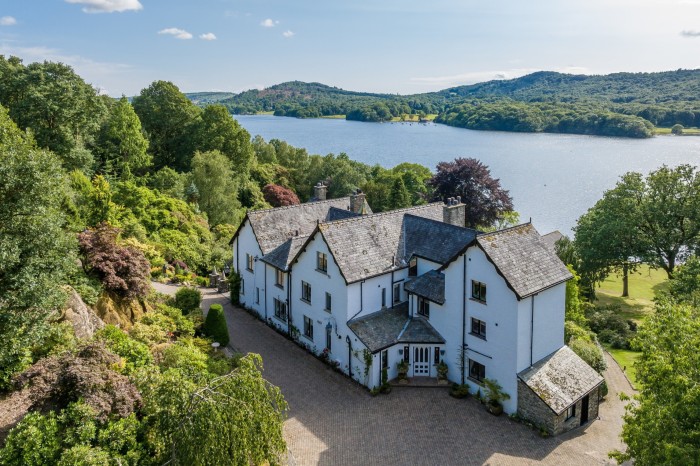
{"x": 643, "y": 284}
{"x": 334, "y": 117}
{"x": 686, "y": 131}
{"x": 413, "y": 118}
{"x": 626, "y": 359}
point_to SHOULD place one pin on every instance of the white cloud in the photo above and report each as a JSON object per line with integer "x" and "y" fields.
{"x": 178, "y": 33}
{"x": 7, "y": 21}
{"x": 288, "y": 34}
{"x": 108, "y": 6}
{"x": 269, "y": 23}
{"x": 690, "y": 33}
{"x": 208, "y": 36}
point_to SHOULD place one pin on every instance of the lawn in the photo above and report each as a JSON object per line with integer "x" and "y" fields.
{"x": 413, "y": 118}
{"x": 643, "y": 284}
{"x": 626, "y": 358}
{"x": 686, "y": 131}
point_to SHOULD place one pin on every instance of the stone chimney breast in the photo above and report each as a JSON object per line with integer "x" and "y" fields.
{"x": 320, "y": 191}
{"x": 454, "y": 212}
{"x": 357, "y": 202}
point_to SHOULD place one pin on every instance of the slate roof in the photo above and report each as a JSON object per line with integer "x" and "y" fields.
{"x": 391, "y": 326}
{"x": 272, "y": 227}
{"x": 365, "y": 246}
{"x": 430, "y": 285}
{"x": 523, "y": 259}
{"x": 561, "y": 379}
{"x": 283, "y": 254}
{"x": 433, "y": 239}
{"x": 551, "y": 238}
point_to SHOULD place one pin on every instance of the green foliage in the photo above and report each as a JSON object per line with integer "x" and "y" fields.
{"x": 572, "y": 304}
{"x": 663, "y": 424}
{"x": 677, "y": 129}
{"x": 36, "y": 252}
{"x": 215, "y": 324}
{"x": 234, "y": 282}
{"x": 494, "y": 392}
{"x": 121, "y": 143}
{"x": 214, "y": 179}
{"x": 34, "y": 442}
{"x": 188, "y": 299}
{"x": 610, "y": 326}
{"x": 134, "y": 353}
{"x": 685, "y": 285}
{"x": 217, "y": 131}
{"x": 399, "y": 197}
{"x": 589, "y": 352}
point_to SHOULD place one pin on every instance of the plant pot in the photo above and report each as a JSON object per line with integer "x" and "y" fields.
{"x": 495, "y": 409}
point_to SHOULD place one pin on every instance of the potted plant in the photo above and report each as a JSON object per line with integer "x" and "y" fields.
{"x": 495, "y": 397}
{"x": 402, "y": 368}
{"x": 442, "y": 371}
{"x": 459, "y": 391}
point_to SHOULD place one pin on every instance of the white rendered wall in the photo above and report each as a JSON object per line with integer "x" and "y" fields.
{"x": 548, "y": 328}
{"x": 275, "y": 292}
{"x": 251, "y": 280}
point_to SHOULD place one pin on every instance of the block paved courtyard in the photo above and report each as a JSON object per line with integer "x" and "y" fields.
{"x": 333, "y": 421}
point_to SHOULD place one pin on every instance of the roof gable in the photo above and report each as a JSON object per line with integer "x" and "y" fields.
{"x": 527, "y": 263}
{"x": 430, "y": 285}
{"x": 433, "y": 239}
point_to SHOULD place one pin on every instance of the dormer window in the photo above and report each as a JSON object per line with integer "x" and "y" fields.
{"x": 413, "y": 267}
{"x": 321, "y": 262}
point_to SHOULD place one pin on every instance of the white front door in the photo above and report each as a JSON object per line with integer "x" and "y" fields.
{"x": 421, "y": 361}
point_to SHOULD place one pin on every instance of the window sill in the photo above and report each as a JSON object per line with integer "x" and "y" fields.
{"x": 279, "y": 286}
{"x": 307, "y": 301}
{"x": 322, "y": 272}
{"x": 481, "y": 337}
{"x": 284, "y": 321}
{"x": 478, "y": 301}
{"x": 249, "y": 270}
{"x": 330, "y": 311}
{"x": 476, "y": 381}
{"x": 311, "y": 339}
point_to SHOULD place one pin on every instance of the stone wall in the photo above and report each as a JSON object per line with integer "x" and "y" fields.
{"x": 532, "y": 408}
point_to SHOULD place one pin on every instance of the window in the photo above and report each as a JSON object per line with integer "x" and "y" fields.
{"x": 329, "y": 340}
{"x": 321, "y": 262}
{"x": 306, "y": 292}
{"x": 436, "y": 359}
{"x": 397, "y": 293}
{"x": 329, "y": 302}
{"x": 242, "y": 286}
{"x": 478, "y": 328}
{"x": 383, "y": 297}
{"x": 423, "y": 307}
{"x": 249, "y": 262}
{"x": 413, "y": 267}
{"x": 257, "y": 295}
{"x": 280, "y": 309}
{"x": 570, "y": 412}
{"x": 279, "y": 278}
{"x": 477, "y": 371}
{"x": 308, "y": 328}
{"x": 406, "y": 354}
{"x": 478, "y": 291}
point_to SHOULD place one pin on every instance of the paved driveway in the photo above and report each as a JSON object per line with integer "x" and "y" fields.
{"x": 332, "y": 421}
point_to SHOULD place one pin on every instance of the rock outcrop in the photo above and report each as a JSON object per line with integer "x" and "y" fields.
{"x": 118, "y": 311}
{"x": 84, "y": 321}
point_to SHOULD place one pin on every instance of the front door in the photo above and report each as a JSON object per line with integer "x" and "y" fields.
{"x": 421, "y": 361}
{"x": 584, "y": 410}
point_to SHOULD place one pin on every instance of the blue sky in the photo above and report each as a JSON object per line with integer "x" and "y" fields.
{"x": 396, "y": 46}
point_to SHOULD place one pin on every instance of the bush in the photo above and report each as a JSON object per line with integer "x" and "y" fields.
{"x": 215, "y": 325}
{"x": 234, "y": 281}
{"x": 589, "y": 352}
{"x": 134, "y": 353}
{"x": 188, "y": 299}
{"x": 610, "y": 326}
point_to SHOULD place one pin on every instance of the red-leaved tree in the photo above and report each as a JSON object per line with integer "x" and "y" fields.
{"x": 485, "y": 200}
{"x": 122, "y": 270}
{"x": 279, "y": 196}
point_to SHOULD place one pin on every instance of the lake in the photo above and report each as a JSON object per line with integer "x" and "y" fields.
{"x": 553, "y": 178}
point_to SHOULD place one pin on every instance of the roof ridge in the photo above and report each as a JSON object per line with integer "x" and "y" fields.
{"x": 379, "y": 214}
{"x": 440, "y": 222}
{"x": 504, "y": 230}
{"x": 303, "y": 204}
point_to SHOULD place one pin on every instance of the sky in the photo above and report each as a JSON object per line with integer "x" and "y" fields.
{"x": 392, "y": 46}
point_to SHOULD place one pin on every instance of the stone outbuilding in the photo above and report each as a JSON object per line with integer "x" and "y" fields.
{"x": 560, "y": 392}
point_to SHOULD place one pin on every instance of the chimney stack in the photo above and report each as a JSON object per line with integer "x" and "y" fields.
{"x": 320, "y": 191}
{"x": 357, "y": 202}
{"x": 454, "y": 212}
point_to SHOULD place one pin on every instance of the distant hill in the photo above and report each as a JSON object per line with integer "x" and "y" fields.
{"x": 619, "y": 104}
{"x": 208, "y": 97}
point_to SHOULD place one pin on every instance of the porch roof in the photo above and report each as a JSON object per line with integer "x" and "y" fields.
{"x": 388, "y": 327}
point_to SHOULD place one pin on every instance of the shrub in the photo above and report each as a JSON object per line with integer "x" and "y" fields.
{"x": 134, "y": 353}
{"x": 589, "y": 352}
{"x": 215, "y": 325}
{"x": 610, "y": 326}
{"x": 201, "y": 281}
{"x": 188, "y": 299}
{"x": 573, "y": 331}
{"x": 234, "y": 281}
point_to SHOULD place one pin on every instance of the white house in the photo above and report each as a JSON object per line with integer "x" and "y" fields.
{"x": 415, "y": 285}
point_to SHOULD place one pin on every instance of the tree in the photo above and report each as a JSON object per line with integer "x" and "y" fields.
{"x": 36, "y": 252}
{"x": 121, "y": 143}
{"x": 485, "y": 200}
{"x": 279, "y": 196}
{"x": 399, "y": 197}
{"x": 217, "y": 130}
{"x": 217, "y": 190}
{"x": 122, "y": 270}
{"x": 662, "y": 425}
{"x": 167, "y": 116}
{"x": 215, "y": 325}
{"x": 607, "y": 237}
{"x": 677, "y": 129}
{"x": 415, "y": 177}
